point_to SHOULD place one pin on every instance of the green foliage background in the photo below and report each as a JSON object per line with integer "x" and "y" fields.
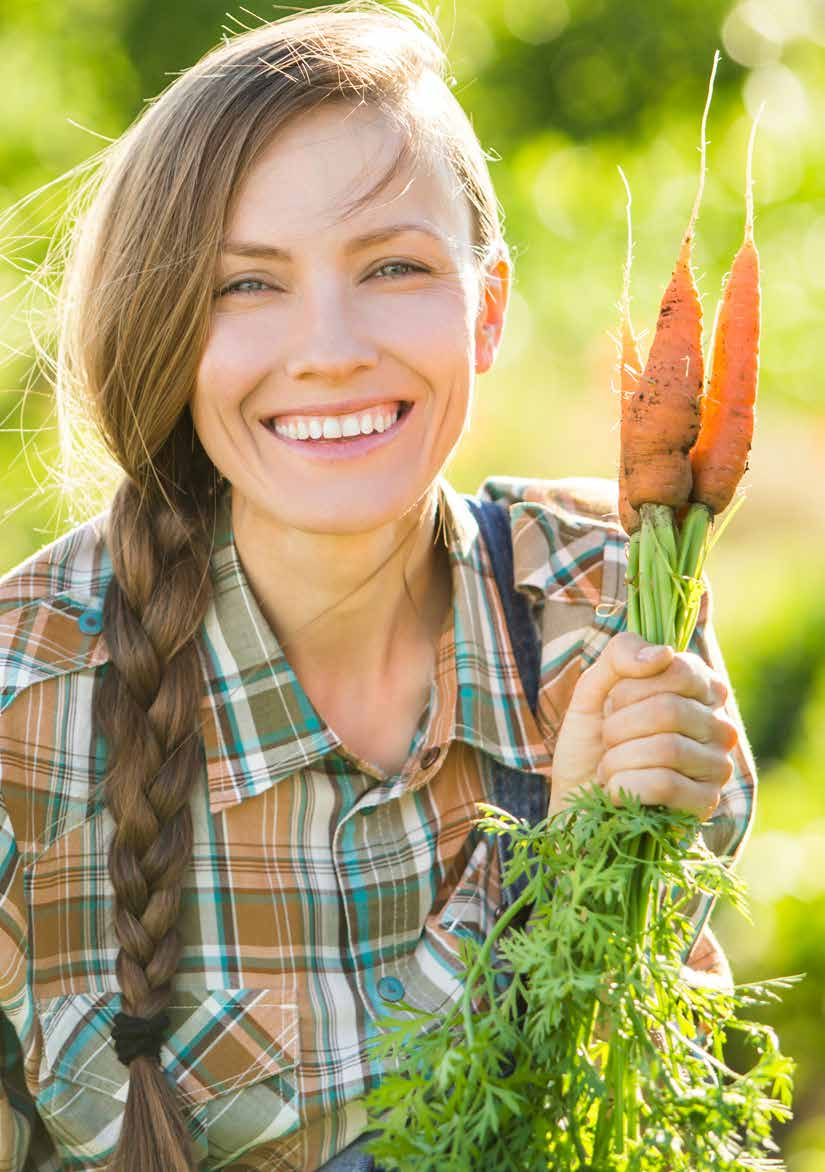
{"x": 560, "y": 93}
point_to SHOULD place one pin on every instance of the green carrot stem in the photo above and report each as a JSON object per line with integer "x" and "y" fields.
{"x": 619, "y": 1073}
{"x": 658, "y": 533}
{"x": 601, "y": 1135}
{"x": 659, "y": 552}
{"x": 663, "y": 597}
{"x": 631, "y": 1105}
{"x": 652, "y": 610}
{"x": 693, "y": 549}
{"x": 693, "y": 537}
{"x": 666, "y": 533}
{"x": 618, "y": 1095}
{"x": 634, "y": 616}
{"x": 465, "y": 1004}
{"x": 647, "y": 590}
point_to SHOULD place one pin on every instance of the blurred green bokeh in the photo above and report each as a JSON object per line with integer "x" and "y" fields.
{"x": 560, "y": 92}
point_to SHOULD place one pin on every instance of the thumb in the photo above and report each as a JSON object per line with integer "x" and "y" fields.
{"x": 619, "y": 660}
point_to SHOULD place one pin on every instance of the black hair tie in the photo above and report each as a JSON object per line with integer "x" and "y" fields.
{"x": 137, "y": 1037}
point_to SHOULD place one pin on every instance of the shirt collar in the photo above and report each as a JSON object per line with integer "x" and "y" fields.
{"x": 259, "y": 724}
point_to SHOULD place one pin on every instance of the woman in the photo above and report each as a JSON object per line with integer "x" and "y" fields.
{"x": 248, "y": 710}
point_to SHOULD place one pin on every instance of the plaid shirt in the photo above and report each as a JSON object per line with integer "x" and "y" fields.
{"x": 320, "y": 890}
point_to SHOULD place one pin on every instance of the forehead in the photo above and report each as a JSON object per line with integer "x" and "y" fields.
{"x": 303, "y": 183}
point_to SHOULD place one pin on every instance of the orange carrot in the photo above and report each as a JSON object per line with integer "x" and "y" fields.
{"x": 663, "y": 415}
{"x": 719, "y": 457}
{"x": 630, "y": 368}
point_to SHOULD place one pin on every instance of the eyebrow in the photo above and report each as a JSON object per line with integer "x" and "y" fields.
{"x": 376, "y": 236}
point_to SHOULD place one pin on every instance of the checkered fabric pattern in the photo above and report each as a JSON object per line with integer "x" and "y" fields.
{"x": 321, "y": 891}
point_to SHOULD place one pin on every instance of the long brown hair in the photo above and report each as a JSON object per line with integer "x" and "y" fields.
{"x": 135, "y": 308}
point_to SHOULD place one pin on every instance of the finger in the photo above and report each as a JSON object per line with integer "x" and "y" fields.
{"x": 615, "y": 663}
{"x": 665, "y": 787}
{"x": 669, "y": 712}
{"x": 687, "y": 675}
{"x": 673, "y": 751}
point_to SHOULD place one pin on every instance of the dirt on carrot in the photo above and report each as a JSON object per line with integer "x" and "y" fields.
{"x": 719, "y": 457}
{"x": 663, "y": 416}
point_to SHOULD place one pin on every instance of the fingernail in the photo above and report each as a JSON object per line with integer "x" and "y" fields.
{"x": 648, "y": 653}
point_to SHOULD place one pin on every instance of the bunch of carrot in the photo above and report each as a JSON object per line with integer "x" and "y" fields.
{"x": 684, "y": 446}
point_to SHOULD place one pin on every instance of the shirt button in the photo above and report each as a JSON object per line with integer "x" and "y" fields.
{"x": 429, "y": 756}
{"x": 391, "y": 989}
{"x": 91, "y": 622}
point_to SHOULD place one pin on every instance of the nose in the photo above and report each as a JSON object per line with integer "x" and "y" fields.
{"x": 325, "y": 341}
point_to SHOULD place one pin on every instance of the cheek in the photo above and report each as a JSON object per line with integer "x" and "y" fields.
{"x": 434, "y": 333}
{"x": 438, "y": 311}
{"x": 232, "y": 363}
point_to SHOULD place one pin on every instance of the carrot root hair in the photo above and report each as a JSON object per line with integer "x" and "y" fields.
{"x": 630, "y": 369}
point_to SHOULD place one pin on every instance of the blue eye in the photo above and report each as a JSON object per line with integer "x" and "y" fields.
{"x": 235, "y": 286}
{"x": 403, "y": 264}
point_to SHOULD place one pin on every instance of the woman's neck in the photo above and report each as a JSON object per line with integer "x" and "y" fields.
{"x": 314, "y": 593}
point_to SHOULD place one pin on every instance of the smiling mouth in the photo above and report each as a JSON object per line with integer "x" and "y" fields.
{"x": 270, "y": 425}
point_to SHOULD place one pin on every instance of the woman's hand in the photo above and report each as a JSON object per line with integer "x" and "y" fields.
{"x": 652, "y": 727}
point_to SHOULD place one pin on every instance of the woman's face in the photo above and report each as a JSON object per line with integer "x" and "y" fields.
{"x": 322, "y": 324}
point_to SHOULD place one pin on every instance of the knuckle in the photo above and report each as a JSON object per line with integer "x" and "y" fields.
{"x": 621, "y": 694}
{"x": 624, "y": 782}
{"x": 694, "y": 670}
{"x": 659, "y": 788}
{"x": 622, "y": 646}
{"x": 688, "y": 663}
{"x": 673, "y": 751}
{"x": 670, "y": 708}
{"x": 611, "y": 731}
{"x": 683, "y": 679}
{"x": 720, "y": 770}
{"x": 725, "y": 732}
{"x": 717, "y": 689}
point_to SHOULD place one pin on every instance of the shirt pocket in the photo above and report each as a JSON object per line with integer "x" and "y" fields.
{"x": 471, "y": 906}
{"x": 233, "y": 1055}
{"x": 431, "y": 974}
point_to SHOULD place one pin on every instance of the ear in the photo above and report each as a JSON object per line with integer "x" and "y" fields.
{"x": 491, "y": 313}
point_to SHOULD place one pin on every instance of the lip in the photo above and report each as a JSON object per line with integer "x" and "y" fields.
{"x": 335, "y": 450}
{"x": 348, "y": 407}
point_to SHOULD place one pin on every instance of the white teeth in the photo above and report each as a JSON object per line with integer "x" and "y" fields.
{"x": 340, "y": 426}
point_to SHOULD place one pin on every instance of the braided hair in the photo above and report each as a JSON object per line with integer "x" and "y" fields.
{"x": 134, "y": 315}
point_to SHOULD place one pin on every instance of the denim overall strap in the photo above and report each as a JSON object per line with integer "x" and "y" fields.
{"x": 524, "y": 795}
{"x": 353, "y": 1158}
